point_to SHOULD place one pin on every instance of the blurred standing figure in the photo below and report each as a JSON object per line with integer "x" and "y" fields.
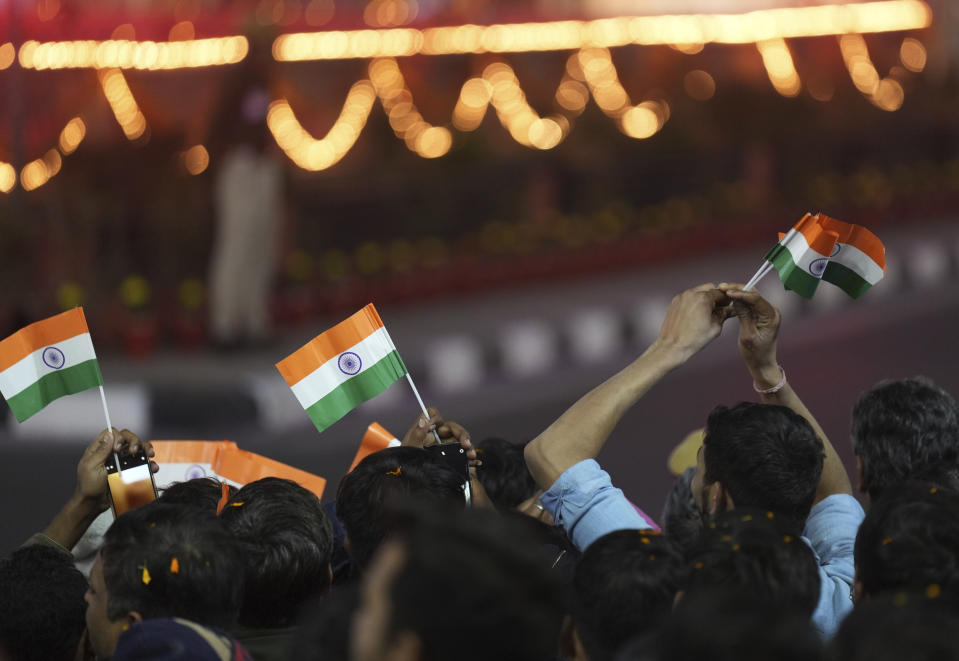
{"x": 248, "y": 201}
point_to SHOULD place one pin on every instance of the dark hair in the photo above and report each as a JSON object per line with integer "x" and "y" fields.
{"x": 728, "y": 625}
{"x": 476, "y": 565}
{"x": 624, "y": 584}
{"x": 286, "y": 541}
{"x": 682, "y": 520}
{"x": 167, "y": 560}
{"x": 385, "y": 477}
{"x": 765, "y": 456}
{"x": 903, "y": 431}
{"x": 758, "y": 552}
{"x": 504, "y": 474}
{"x": 204, "y": 492}
{"x": 898, "y": 626}
{"x": 42, "y": 610}
{"x": 324, "y": 631}
{"x": 909, "y": 540}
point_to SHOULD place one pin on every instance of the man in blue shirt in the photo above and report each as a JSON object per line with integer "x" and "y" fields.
{"x": 798, "y": 472}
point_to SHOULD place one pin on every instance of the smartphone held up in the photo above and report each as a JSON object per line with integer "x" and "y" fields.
{"x": 132, "y": 485}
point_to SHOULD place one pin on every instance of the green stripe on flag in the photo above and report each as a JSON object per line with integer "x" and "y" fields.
{"x": 54, "y": 385}
{"x": 846, "y": 279}
{"x": 367, "y": 384}
{"x": 793, "y": 277}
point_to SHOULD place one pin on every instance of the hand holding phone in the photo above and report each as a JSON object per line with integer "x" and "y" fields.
{"x": 454, "y": 456}
{"x": 132, "y": 485}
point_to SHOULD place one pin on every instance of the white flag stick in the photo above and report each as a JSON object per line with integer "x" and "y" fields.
{"x": 106, "y": 414}
{"x": 422, "y": 405}
{"x": 759, "y": 275}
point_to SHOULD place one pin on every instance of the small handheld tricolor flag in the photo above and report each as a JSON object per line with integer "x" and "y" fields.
{"x": 47, "y": 360}
{"x": 337, "y": 370}
{"x": 823, "y": 248}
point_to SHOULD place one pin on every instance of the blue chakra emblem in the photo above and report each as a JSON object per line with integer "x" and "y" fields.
{"x": 349, "y": 363}
{"x": 195, "y": 471}
{"x": 817, "y": 266}
{"x": 53, "y": 357}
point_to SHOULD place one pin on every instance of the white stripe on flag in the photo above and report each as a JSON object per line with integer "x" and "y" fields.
{"x": 858, "y": 262}
{"x": 31, "y": 369}
{"x": 803, "y": 256}
{"x": 328, "y": 376}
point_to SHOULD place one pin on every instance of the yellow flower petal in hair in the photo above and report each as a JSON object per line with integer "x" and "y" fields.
{"x": 398, "y": 471}
{"x": 174, "y": 566}
{"x": 239, "y": 503}
{"x": 888, "y": 540}
{"x": 145, "y": 576}
{"x": 933, "y": 591}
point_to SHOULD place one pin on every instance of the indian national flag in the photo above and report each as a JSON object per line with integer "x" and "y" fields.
{"x": 46, "y": 360}
{"x": 823, "y": 248}
{"x": 352, "y": 362}
{"x": 858, "y": 260}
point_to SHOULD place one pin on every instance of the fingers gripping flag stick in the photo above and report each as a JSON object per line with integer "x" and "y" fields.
{"x": 823, "y": 248}
{"x": 337, "y": 370}
{"x": 47, "y": 360}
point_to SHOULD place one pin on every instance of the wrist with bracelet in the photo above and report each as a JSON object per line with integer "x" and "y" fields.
{"x": 776, "y": 388}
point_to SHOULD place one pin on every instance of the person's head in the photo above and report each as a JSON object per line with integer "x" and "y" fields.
{"x": 624, "y": 584}
{"x": 466, "y": 585}
{"x": 758, "y": 455}
{"x": 382, "y": 479}
{"x": 504, "y": 474}
{"x": 904, "y": 431}
{"x": 909, "y": 541}
{"x": 204, "y": 492}
{"x": 751, "y": 550}
{"x": 175, "y": 639}
{"x": 162, "y": 560}
{"x": 898, "y": 625}
{"x": 41, "y": 605}
{"x": 286, "y": 541}
{"x": 728, "y": 625}
{"x": 682, "y": 520}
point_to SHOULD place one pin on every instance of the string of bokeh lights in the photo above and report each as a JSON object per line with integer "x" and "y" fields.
{"x": 589, "y": 73}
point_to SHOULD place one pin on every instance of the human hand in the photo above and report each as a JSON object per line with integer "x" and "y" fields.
{"x": 420, "y": 433}
{"x": 759, "y": 322}
{"x": 424, "y": 432}
{"x": 693, "y": 319}
{"x": 91, "y": 471}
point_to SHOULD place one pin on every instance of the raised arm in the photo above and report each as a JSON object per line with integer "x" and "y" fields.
{"x": 90, "y": 495}
{"x": 759, "y": 322}
{"x": 693, "y": 319}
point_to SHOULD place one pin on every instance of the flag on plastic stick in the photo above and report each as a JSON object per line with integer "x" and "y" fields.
{"x": 823, "y": 248}
{"x": 336, "y": 371}
{"x": 47, "y": 360}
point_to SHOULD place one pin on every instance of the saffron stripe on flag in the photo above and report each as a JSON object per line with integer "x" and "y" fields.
{"x": 23, "y": 373}
{"x": 330, "y": 344}
{"x": 857, "y": 236}
{"x": 40, "y": 334}
{"x": 49, "y": 387}
{"x": 328, "y": 376}
{"x": 358, "y": 389}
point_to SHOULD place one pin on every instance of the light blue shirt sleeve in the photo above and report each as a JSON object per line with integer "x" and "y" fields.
{"x": 584, "y": 501}
{"x": 831, "y": 529}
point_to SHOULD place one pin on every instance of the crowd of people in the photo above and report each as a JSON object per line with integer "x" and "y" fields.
{"x": 764, "y": 552}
